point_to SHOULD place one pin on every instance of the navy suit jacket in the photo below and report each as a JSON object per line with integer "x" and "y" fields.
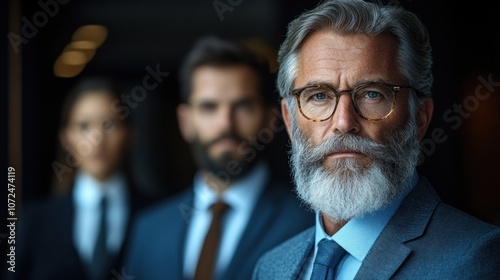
{"x": 44, "y": 245}
{"x": 158, "y": 237}
{"x": 425, "y": 239}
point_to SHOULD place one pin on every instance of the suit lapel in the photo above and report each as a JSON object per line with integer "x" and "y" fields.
{"x": 262, "y": 215}
{"x": 298, "y": 258}
{"x": 135, "y": 202}
{"x": 408, "y": 223}
{"x": 175, "y": 237}
{"x": 384, "y": 259}
{"x": 67, "y": 234}
{"x": 298, "y": 250}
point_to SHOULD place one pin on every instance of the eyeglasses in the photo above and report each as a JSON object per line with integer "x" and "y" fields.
{"x": 372, "y": 101}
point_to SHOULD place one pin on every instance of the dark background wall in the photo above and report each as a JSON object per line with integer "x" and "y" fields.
{"x": 460, "y": 155}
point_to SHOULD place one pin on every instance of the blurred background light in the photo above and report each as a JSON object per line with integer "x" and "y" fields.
{"x": 64, "y": 70}
{"x": 94, "y": 33}
{"x": 86, "y": 47}
{"x": 73, "y": 58}
{"x": 82, "y": 48}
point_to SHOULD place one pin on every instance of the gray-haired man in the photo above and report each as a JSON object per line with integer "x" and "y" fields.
{"x": 355, "y": 79}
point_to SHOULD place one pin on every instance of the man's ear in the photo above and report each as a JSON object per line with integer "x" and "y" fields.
{"x": 424, "y": 117}
{"x": 184, "y": 120}
{"x": 286, "y": 117}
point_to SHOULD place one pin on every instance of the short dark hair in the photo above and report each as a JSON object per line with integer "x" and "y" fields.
{"x": 213, "y": 51}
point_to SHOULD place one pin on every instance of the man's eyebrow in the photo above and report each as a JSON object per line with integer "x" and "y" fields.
{"x": 211, "y": 102}
{"x": 243, "y": 100}
{"x": 359, "y": 82}
{"x": 366, "y": 81}
{"x": 316, "y": 82}
{"x": 205, "y": 102}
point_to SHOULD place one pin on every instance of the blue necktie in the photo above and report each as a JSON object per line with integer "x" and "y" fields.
{"x": 328, "y": 255}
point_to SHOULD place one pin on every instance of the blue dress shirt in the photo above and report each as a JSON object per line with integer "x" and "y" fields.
{"x": 87, "y": 196}
{"x": 357, "y": 236}
{"x": 241, "y": 197}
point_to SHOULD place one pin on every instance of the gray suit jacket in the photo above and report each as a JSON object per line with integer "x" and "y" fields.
{"x": 425, "y": 239}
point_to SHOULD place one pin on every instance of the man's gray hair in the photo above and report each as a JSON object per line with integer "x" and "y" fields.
{"x": 353, "y": 17}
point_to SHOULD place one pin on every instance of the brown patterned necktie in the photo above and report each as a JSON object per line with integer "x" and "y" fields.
{"x": 208, "y": 255}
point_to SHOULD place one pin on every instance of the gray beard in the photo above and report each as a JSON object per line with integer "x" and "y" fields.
{"x": 349, "y": 189}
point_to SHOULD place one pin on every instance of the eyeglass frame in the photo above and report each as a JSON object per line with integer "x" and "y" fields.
{"x": 395, "y": 89}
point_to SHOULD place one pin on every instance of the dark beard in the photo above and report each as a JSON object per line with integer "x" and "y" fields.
{"x": 218, "y": 167}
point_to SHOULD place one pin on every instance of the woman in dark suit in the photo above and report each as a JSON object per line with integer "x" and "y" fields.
{"x": 82, "y": 234}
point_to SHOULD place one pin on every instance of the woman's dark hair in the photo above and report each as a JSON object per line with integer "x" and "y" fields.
{"x": 213, "y": 51}
{"x": 88, "y": 85}
{"x": 85, "y": 86}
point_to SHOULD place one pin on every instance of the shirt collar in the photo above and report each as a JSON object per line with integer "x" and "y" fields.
{"x": 241, "y": 194}
{"x": 88, "y": 191}
{"x": 359, "y": 234}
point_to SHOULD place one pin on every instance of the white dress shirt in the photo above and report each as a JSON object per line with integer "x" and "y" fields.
{"x": 241, "y": 197}
{"x": 87, "y": 196}
{"x": 356, "y": 237}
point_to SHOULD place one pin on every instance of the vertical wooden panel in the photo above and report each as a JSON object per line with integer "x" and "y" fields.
{"x": 15, "y": 99}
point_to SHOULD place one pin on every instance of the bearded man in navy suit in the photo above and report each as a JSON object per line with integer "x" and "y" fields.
{"x": 227, "y": 117}
{"x": 355, "y": 78}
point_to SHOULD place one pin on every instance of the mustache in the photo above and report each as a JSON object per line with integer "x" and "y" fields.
{"x": 224, "y": 136}
{"x": 342, "y": 142}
